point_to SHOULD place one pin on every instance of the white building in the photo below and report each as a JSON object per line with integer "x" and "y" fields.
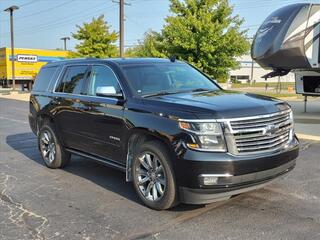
{"x": 249, "y": 69}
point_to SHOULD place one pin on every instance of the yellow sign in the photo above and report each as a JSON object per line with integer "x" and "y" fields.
{"x": 27, "y": 61}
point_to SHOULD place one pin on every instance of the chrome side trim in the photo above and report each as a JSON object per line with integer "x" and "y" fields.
{"x": 104, "y": 161}
{"x": 82, "y": 95}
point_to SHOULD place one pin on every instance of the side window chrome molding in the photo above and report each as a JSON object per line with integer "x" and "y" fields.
{"x": 59, "y": 78}
{"x": 116, "y": 77}
{"x": 62, "y": 74}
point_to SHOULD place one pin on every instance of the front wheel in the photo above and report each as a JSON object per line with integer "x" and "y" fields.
{"x": 53, "y": 153}
{"x": 153, "y": 176}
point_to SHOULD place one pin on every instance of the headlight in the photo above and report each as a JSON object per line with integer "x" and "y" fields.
{"x": 208, "y": 135}
{"x": 291, "y": 134}
{"x": 291, "y": 115}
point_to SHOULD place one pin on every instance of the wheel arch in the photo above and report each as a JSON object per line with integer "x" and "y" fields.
{"x": 137, "y": 137}
{"x": 41, "y": 118}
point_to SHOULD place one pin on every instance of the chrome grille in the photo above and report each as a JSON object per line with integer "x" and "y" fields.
{"x": 257, "y": 134}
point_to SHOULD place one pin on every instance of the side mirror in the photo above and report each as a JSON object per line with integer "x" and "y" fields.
{"x": 108, "y": 91}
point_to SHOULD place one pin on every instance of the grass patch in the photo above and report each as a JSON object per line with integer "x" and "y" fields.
{"x": 284, "y": 85}
{"x": 277, "y": 95}
{"x": 23, "y": 92}
{"x": 6, "y": 92}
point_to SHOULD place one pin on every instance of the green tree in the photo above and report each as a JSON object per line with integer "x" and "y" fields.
{"x": 150, "y": 46}
{"x": 96, "y": 40}
{"x": 203, "y": 32}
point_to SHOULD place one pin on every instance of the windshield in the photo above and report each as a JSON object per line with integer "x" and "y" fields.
{"x": 163, "y": 78}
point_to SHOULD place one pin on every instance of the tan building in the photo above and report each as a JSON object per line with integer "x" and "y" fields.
{"x": 252, "y": 71}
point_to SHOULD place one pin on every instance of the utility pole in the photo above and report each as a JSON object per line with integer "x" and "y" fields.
{"x": 121, "y": 25}
{"x": 65, "y": 42}
{"x": 10, "y": 10}
{"x": 252, "y": 63}
{"x": 252, "y": 69}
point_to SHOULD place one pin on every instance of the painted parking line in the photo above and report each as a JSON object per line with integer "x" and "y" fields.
{"x": 13, "y": 120}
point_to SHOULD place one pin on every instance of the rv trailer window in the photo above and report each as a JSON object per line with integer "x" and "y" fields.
{"x": 311, "y": 84}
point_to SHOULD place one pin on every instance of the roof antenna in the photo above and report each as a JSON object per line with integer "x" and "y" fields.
{"x": 173, "y": 58}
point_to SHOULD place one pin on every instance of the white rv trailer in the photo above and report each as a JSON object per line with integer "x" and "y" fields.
{"x": 289, "y": 41}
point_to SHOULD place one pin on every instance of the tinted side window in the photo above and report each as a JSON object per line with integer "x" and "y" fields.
{"x": 102, "y": 76}
{"x": 43, "y": 78}
{"x": 72, "y": 80}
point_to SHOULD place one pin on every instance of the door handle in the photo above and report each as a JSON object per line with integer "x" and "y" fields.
{"x": 86, "y": 108}
{"x": 56, "y": 100}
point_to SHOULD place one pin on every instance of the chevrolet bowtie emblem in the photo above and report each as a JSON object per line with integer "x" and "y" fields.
{"x": 270, "y": 130}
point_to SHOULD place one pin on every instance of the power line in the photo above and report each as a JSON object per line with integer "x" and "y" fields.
{"x": 58, "y": 23}
{"x": 28, "y": 3}
{"x": 46, "y": 10}
{"x": 43, "y": 11}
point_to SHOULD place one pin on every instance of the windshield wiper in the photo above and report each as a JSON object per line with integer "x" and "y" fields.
{"x": 200, "y": 90}
{"x": 161, "y": 93}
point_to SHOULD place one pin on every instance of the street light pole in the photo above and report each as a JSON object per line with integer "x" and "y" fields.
{"x": 65, "y": 42}
{"x": 10, "y": 10}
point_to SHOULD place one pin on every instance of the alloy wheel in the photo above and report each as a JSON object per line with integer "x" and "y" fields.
{"x": 47, "y": 146}
{"x": 151, "y": 177}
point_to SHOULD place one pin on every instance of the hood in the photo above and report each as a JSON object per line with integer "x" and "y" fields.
{"x": 217, "y": 104}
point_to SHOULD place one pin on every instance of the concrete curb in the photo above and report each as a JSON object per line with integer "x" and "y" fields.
{"x": 308, "y": 137}
{"x": 24, "y": 98}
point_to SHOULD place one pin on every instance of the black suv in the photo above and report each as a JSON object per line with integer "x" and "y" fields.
{"x": 176, "y": 134}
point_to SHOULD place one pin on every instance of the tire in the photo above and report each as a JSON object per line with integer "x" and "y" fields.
{"x": 149, "y": 177}
{"x": 52, "y": 152}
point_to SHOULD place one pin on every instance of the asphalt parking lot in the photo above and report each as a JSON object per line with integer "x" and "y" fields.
{"x": 92, "y": 202}
{"x": 307, "y": 122}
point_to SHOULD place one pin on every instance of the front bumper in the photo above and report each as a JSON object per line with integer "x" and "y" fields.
{"x": 260, "y": 179}
{"x": 244, "y": 174}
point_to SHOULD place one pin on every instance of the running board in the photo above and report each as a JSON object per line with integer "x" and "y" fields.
{"x": 104, "y": 161}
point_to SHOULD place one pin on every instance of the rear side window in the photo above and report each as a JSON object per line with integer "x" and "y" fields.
{"x": 72, "y": 80}
{"x": 43, "y": 79}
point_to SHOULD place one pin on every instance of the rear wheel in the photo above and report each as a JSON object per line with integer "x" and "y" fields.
{"x": 153, "y": 176}
{"x": 53, "y": 153}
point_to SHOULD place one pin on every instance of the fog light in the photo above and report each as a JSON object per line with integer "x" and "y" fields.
{"x": 210, "y": 180}
{"x": 215, "y": 179}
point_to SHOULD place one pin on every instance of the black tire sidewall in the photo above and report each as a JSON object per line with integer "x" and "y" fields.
{"x": 169, "y": 199}
{"x": 61, "y": 157}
